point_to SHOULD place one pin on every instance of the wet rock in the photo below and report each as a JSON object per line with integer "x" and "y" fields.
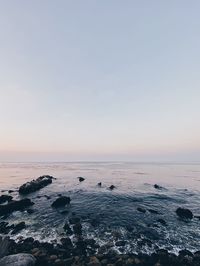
{"x": 81, "y": 179}
{"x": 35, "y": 185}
{"x": 5, "y": 198}
{"x": 162, "y": 221}
{"x": 68, "y": 229}
{"x": 141, "y": 210}
{"x": 77, "y": 228}
{"x": 156, "y": 186}
{"x": 18, "y": 260}
{"x": 4, "y": 246}
{"x": 74, "y": 220}
{"x": 112, "y": 187}
{"x": 184, "y": 213}
{"x": 30, "y": 211}
{"x": 15, "y": 206}
{"x": 18, "y": 228}
{"x": 60, "y": 202}
{"x": 99, "y": 184}
{"x": 66, "y": 242}
{"x": 5, "y": 228}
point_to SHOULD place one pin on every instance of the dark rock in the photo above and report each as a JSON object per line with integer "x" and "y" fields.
{"x": 162, "y": 221}
{"x": 30, "y": 211}
{"x": 5, "y": 198}
{"x": 4, "y": 246}
{"x": 10, "y": 191}
{"x": 18, "y": 260}
{"x": 60, "y": 202}
{"x": 81, "y": 179}
{"x": 74, "y": 220}
{"x": 99, "y": 184}
{"x": 35, "y": 185}
{"x": 112, "y": 187}
{"x": 77, "y": 228}
{"x": 68, "y": 229}
{"x": 5, "y": 228}
{"x": 184, "y": 213}
{"x": 15, "y": 206}
{"x": 66, "y": 242}
{"x": 185, "y": 252}
{"x": 18, "y": 227}
{"x": 141, "y": 210}
{"x": 156, "y": 186}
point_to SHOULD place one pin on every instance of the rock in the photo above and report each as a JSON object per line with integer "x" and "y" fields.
{"x": 66, "y": 242}
{"x": 4, "y": 246}
{"x": 74, "y": 220}
{"x": 21, "y": 259}
{"x": 35, "y": 185}
{"x": 30, "y": 211}
{"x": 156, "y": 186}
{"x": 184, "y": 213}
{"x": 77, "y": 228}
{"x": 15, "y": 206}
{"x": 141, "y": 210}
{"x": 162, "y": 221}
{"x": 81, "y": 179}
{"x": 4, "y": 198}
{"x": 94, "y": 262}
{"x": 99, "y": 184}
{"x": 68, "y": 229}
{"x": 60, "y": 202}
{"x": 18, "y": 227}
{"x": 112, "y": 187}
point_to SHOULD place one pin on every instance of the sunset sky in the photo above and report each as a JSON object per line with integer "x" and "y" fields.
{"x": 99, "y": 80}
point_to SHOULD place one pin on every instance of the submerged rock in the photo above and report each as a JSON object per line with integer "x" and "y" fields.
{"x": 184, "y": 213}
{"x": 153, "y": 211}
{"x": 60, "y": 202}
{"x": 141, "y": 210}
{"x": 18, "y": 260}
{"x": 81, "y": 179}
{"x": 35, "y": 185}
{"x": 4, "y": 198}
{"x": 15, "y": 206}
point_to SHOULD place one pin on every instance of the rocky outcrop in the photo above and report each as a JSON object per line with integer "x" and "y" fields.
{"x": 15, "y": 206}
{"x": 5, "y": 198}
{"x": 184, "y": 213}
{"x": 112, "y": 187}
{"x": 22, "y": 259}
{"x": 60, "y": 202}
{"x": 35, "y": 185}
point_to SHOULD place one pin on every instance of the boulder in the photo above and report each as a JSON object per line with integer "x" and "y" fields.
{"x": 17, "y": 205}
{"x": 60, "y": 202}
{"x": 4, "y": 198}
{"x": 99, "y": 184}
{"x": 81, "y": 179}
{"x": 35, "y": 185}
{"x": 21, "y": 259}
{"x": 18, "y": 227}
{"x": 184, "y": 213}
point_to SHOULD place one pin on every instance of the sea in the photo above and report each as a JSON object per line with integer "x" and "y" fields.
{"x": 111, "y": 216}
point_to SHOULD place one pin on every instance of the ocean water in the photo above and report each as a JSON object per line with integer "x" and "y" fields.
{"x": 109, "y": 216}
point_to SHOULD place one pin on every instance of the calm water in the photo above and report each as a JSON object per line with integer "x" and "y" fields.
{"x": 115, "y": 211}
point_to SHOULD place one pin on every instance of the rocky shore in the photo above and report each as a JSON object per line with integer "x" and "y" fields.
{"x": 76, "y": 250}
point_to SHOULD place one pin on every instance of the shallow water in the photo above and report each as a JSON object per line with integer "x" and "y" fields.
{"x": 115, "y": 212}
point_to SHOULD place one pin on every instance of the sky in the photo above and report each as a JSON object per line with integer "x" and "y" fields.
{"x": 99, "y": 80}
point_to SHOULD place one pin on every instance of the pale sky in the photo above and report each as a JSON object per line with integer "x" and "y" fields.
{"x": 99, "y": 80}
